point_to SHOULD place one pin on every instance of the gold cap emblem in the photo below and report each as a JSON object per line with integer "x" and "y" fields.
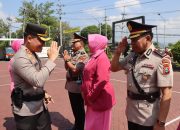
{"x": 129, "y": 27}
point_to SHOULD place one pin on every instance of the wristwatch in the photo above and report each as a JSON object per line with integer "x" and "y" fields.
{"x": 67, "y": 60}
{"x": 161, "y": 123}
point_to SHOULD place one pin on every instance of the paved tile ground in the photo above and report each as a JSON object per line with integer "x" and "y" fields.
{"x": 61, "y": 111}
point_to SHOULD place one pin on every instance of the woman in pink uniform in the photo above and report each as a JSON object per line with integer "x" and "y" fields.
{"x": 16, "y": 44}
{"x": 96, "y": 88}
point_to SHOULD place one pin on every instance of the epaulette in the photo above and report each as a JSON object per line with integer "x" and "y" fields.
{"x": 160, "y": 52}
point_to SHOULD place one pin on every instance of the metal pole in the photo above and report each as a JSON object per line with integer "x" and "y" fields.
{"x": 164, "y": 32}
{"x": 60, "y": 23}
{"x": 9, "y": 24}
{"x": 10, "y": 35}
{"x": 23, "y": 19}
{"x": 164, "y": 27}
{"x": 99, "y": 24}
{"x": 60, "y": 30}
{"x": 105, "y": 23}
{"x": 157, "y": 35}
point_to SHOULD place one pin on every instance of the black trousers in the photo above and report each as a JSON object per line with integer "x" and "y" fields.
{"x": 77, "y": 105}
{"x": 41, "y": 121}
{"x": 134, "y": 126}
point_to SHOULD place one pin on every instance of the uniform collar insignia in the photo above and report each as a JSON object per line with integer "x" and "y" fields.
{"x": 149, "y": 51}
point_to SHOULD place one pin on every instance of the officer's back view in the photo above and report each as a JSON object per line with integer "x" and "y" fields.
{"x": 29, "y": 75}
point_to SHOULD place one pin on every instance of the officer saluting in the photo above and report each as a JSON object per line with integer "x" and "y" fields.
{"x": 29, "y": 75}
{"x": 74, "y": 65}
{"x": 149, "y": 74}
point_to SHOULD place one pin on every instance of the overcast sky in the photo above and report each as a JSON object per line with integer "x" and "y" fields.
{"x": 88, "y": 12}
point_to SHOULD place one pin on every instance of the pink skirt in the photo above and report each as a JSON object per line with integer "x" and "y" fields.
{"x": 97, "y": 120}
{"x": 178, "y": 126}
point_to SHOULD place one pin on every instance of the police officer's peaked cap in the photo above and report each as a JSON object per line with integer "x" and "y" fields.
{"x": 77, "y": 36}
{"x": 138, "y": 29}
{"x": 37, "y": 30}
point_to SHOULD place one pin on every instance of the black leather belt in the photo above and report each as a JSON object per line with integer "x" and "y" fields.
{"x": 72, "y": 79}
{"x": 36, "y": 97}
{"x": 150, "y": 97}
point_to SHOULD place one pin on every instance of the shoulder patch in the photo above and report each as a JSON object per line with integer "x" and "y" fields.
{"x": 166, "y": 62}
{"x": 160, "y": 52}
{"x": 166, "y": 69}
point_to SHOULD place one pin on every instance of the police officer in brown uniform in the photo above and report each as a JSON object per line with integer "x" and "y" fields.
{"x": 149, "y": 79}
{"x": 28, "y": 97}
{"x": 74, "y": 65}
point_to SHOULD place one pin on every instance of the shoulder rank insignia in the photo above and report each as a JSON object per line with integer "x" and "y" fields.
{"x": 148, "y": 52}
{"x": 160, "y": 52}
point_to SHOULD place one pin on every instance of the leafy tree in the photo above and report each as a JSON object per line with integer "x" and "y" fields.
{"x": 170, "y": 45}
{"x": 156, "y": 44}
{"x": 93, "y": 29}
{"x": 67, "y": 36}
{"x": 3, "y": 44}
{"x": 42, "y": 14}
{"x": 38, "y": 14}
{"x": 4, "y": 28}
{"x": 176, "y": 52}
{"x": 109, "y": 30}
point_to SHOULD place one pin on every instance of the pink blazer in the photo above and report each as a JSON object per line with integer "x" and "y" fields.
{"x": 96, "y": 87}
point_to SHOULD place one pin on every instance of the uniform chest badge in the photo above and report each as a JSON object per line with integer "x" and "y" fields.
{"x": 82, "y": 58}
{"x": 148, "y": 66}
{"x": 145, "y": 77}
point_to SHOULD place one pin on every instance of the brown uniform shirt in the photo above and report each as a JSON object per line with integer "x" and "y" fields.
{"x": 151, "y": 74}
{"x": 79, "y": 59}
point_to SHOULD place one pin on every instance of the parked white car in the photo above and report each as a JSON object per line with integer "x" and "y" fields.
{"x": 43, "y": 53}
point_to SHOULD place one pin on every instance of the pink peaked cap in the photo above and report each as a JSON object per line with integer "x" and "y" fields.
{"x": 96, "y": 42}
{"x": 16, "y": 44}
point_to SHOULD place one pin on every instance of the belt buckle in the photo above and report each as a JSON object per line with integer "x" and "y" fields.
{"x": 151, "y": 99}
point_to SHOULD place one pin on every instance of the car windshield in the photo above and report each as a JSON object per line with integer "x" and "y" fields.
{"x": 9, "y": 50}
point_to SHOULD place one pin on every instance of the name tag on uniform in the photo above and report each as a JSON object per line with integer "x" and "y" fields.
{"x": 148, "y": 66}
